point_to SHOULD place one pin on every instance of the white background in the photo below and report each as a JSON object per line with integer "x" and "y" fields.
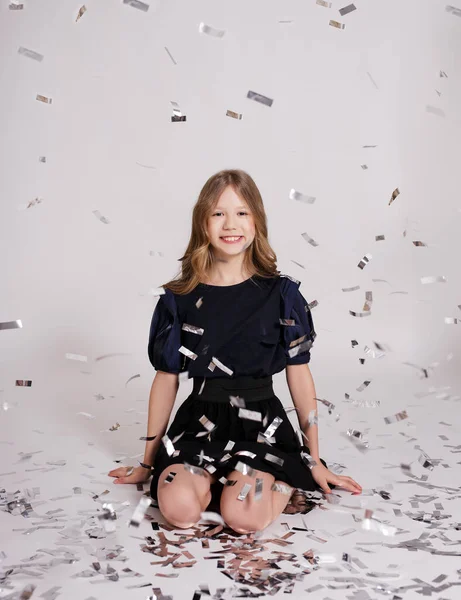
{"x": 80, "y": 286}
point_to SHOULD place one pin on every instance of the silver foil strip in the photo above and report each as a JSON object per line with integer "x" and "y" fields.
{"x": 245, "y": 469}
{"x": 193, "y": 329}
{"x": 251, "y": 415}
{"x": 272, "y": 427}
{"x": 274, "y": 459}
{"x": 244, "y": 491}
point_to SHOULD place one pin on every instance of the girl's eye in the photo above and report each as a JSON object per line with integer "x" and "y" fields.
{"x": 240, "y": 213}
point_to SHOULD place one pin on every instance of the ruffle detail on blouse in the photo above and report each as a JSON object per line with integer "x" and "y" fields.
{"x": 297, "y": 339}
{"x": 165, "y": 335}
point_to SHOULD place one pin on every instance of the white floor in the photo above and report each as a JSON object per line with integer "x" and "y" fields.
{"x": 57, "y": 461}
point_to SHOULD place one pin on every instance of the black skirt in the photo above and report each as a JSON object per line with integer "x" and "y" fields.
{"x": 200, "y": 447}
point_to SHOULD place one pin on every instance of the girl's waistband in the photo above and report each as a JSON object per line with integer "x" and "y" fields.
{"x": 219, "y": 389}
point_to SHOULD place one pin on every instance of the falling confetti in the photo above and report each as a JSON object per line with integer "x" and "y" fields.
{"x": 99, "y": 216}
{"x": 336, "y": 24}
{"x": 44, "y": 99}
{"x": 30, "y": 54}
{"x": 295, "y": 195}
{"x": 142, "y": 6}
{"x": 260, "y": 98}
{"x": 177, "y": 114}
{"x": 234, "y": 115}
{"x": 347, "y": 9}
{"x": 218, "y": 33}
{"x": 80, "y": 14}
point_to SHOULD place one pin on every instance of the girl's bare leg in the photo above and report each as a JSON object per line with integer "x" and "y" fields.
{"x": 249, "y": 515}
{"x": 183, "y": 499}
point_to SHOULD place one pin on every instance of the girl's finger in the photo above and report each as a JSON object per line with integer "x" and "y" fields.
{"x": 356, "y": 484}
{"x": 116, "y": 472}
{"x": 349, "y": 479}
{"x": 120, "y": 480}
{"x": 325, "y": 487}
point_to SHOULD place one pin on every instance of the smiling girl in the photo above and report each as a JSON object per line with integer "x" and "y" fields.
{"x": 232, "y": 321}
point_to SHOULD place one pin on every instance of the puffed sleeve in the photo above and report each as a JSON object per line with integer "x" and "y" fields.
{"x": 165, "y": 335}
{"x": 297, "y": 338}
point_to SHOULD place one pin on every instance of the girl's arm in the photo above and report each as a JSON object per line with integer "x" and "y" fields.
{"x": 161, "y": 401}
{"x": 302, "y": 390}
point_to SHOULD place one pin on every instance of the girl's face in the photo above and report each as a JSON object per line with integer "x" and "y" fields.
{"x": 231, "y": 217}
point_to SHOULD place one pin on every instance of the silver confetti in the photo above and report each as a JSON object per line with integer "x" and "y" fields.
{"x": 140, "y": 511}
{"x": 245, "y": 453}
{"x": 274, "y": 459}
{"x": 251, "y": 415}
{"x": 298, "y": 196}
{"x": 170, "y": 55}
{"x": 433, "y": 279}
{"x": 43, "y": 99}
{"x": 272, "y": 427}
{"x": 397, "y": 417}
{"x": 292, "y": 352}
{"x": 78, "y": 357}
{"x": 363, "y": 386}
{"x": 101, "y": 217}
{"x": 372, "y": 524}
{"x": 280, "y": 487}
{"x": 347, "y": 9}
{"x": 80, "y": 14}
{"x": 237, "y": 401}
{"x": 177, "y": 114}
{"x": 137, "y": 4}
{"x": 209, "y": 426}
{"x": 194, "y": 470}
{"x": 260, "y": 98}
{"x": 425, "y": 461}
{"x": 108, "y": 517}
{"x": 453, "y": 10}
{"x": 308, "y": 460}
{"x": 323, "y": 3}
{"x": 258, "y": 489}
{"x": 217, "y": 363}
{"x": 244, "y": 491}
{"x": 313, "y": 418}
{"x": 11, "y": 324}
{"x": 168, "y": 445}
{"x": 365, "y": 260}
{"x": 245, "y": 469}
{"x": 309, "y": 240}
{"x": 395, "y": 193}
{"x": 230, "y": 444}
{"x": 218, "y": 33}
{"x": 336, "y": 24}
{"x": 187, "y": 353}
{"x": 193, "y": 329}
{"x": 212, "y": 517}
{"x": 30, "y": 54}
{"x": 234, "y": 115}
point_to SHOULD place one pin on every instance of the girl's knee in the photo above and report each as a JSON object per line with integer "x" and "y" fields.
{"x": 181, "y": 510}
{"x": 180, "y": 505}
{"x": 244, "y": 521}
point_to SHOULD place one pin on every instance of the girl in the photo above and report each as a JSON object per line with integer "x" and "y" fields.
{"x": 232, "y": 321}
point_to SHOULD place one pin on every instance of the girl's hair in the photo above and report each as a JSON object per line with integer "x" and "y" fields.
{"x": 259, "y": 258}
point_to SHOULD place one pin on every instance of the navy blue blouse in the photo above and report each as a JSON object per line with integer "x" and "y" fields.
{"x": 255, "y": 327}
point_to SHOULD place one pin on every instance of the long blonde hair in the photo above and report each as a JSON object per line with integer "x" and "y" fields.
{"x": 259, "y": 258}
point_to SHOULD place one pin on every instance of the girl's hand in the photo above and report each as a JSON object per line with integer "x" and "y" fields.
{"x": 130, "y": 474}
{"x": 323, "y": 477}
